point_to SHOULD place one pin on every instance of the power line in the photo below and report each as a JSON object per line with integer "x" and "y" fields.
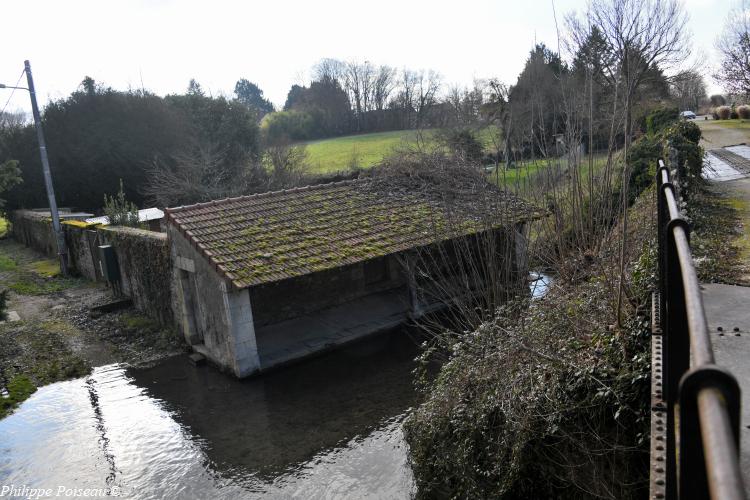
{"x": 13, "y": 92}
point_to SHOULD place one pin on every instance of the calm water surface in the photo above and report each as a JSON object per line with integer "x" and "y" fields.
{"x": 329, "y": 427}
{"x": 326, "y": 428}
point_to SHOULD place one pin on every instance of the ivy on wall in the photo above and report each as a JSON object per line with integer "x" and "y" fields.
{"x": 145, "y": 261}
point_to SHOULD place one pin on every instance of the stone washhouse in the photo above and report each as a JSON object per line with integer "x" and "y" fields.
{"x": 267, "y": 279}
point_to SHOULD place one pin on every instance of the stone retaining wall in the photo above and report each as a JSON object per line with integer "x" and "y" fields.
{"x": 143, "y": 257}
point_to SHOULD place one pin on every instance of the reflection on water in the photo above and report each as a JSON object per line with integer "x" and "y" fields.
{"x": 539, "y": 284}
{"x": 327, "y": 428}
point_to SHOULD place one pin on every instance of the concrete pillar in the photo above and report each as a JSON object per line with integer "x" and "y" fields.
{"x": 241, "y": 331}
{"x": 415, "y": 307}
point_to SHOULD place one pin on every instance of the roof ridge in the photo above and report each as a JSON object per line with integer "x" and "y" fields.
{"x": 265, "y": 194}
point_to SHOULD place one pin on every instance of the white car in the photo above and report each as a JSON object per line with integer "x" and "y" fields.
{"x": 688, "y": 115}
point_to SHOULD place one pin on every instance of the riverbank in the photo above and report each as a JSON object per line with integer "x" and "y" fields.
{"x": 548, "y": 406}
{"x": 51, "y": 334}
{"x": 551, "y": 398}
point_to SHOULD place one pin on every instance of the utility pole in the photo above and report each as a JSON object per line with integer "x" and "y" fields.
{"x": 62, "y": 250}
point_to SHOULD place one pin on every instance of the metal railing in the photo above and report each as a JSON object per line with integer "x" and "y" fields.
{"x": 696, "y": 404}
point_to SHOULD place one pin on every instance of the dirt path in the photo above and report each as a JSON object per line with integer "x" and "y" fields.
{"x": 55, "y": 335}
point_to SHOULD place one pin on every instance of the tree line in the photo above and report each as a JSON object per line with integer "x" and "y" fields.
{"x": 99, "y": 136}
{"x": 356, "y": 97}
{"x": 189, "y": 147}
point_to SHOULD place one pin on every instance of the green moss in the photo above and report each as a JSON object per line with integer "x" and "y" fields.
{"x": 19, "y": 389}
{"x": 59, "y": 326}
{"x": 340, "y": 228}
{"x": 7, "y": 264}
{"x": 39, "y": 287}
{"x": 138, "y": 322}
{"x": 62, "y": 367}
{"x": 742, "y": 209}
{"x": 47, "y": 268}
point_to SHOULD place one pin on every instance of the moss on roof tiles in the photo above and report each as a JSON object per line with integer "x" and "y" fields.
{"x": 263, "y": 238}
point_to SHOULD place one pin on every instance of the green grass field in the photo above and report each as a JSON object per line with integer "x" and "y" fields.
{"x": 738, "y": 124}
{"x": 525, "y": 173}
{"x": 357, "y": 151}
{"x": 365, "y": 150}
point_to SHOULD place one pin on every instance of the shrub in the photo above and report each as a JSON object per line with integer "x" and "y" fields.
{"x": 743, "y": 111}
{"x": 288, "y": 125}
{"x": 661, "y": 118}
{"x": 734, "y": 115}
{"x": 685, "y": 138}
{"x": 119, "y": 211}
{"x": 714, "y": 114}
{"x": 505, "y": 417}
{"x": 723, "y": 112}
{"x": 688, "y": 130}
{"x": 464, "y": 144}
{"x": 642, "y": 157}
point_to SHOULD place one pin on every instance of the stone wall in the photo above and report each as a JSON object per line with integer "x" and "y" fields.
{"x": 214, "y": 318}
{"x": 145, "y": 269}
{"x": 83, "y": 256}
{"x": 34, "y": 230}
{"x": 143, "y": 257}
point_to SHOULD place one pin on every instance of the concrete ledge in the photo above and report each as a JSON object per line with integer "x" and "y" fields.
{"x": 727, "y": 308}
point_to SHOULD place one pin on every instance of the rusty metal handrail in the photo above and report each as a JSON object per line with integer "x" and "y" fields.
{"x": 702, "y": 441}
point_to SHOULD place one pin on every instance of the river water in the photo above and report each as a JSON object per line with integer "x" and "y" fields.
{"x": 329, "y": 427}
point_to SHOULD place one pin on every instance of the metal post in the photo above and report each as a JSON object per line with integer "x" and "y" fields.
{"x": 703, "y": 391}
{"x": 661, "y": 229}
{"x": 61, "y": 248}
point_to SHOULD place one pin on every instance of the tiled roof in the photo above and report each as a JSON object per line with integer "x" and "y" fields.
{"x": 273, "y": 236}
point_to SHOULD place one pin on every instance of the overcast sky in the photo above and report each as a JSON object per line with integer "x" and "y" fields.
{"x": 161, "y": 44}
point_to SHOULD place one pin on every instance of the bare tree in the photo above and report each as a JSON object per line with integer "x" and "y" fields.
{"x": 427, "y": 86}
{"x": 689, "y": 89}
{"x": 358, "y": 82}
{"x": 12, "y": 120}
{"x": 405, "y": 97}
{"x": 734, "y": 47}
{"x": 199, "y": 176}
{"x": 466, "y": 103}
{"x": 286, "y": 163}
{"x": 640, "y": 35}
{"x": 331, "y": 69}
{"x": 383, "y": 85}
{"x": 475, "y": 260}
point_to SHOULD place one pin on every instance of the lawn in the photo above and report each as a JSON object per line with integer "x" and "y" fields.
{"x": 365, "y": 150}
{"x": 358, "y": 151}
{"x": 739, "y": 124}
{"x": 524, "y": 173}
{"x": 520, "y": 172}
{"x": 720, "y": 133}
